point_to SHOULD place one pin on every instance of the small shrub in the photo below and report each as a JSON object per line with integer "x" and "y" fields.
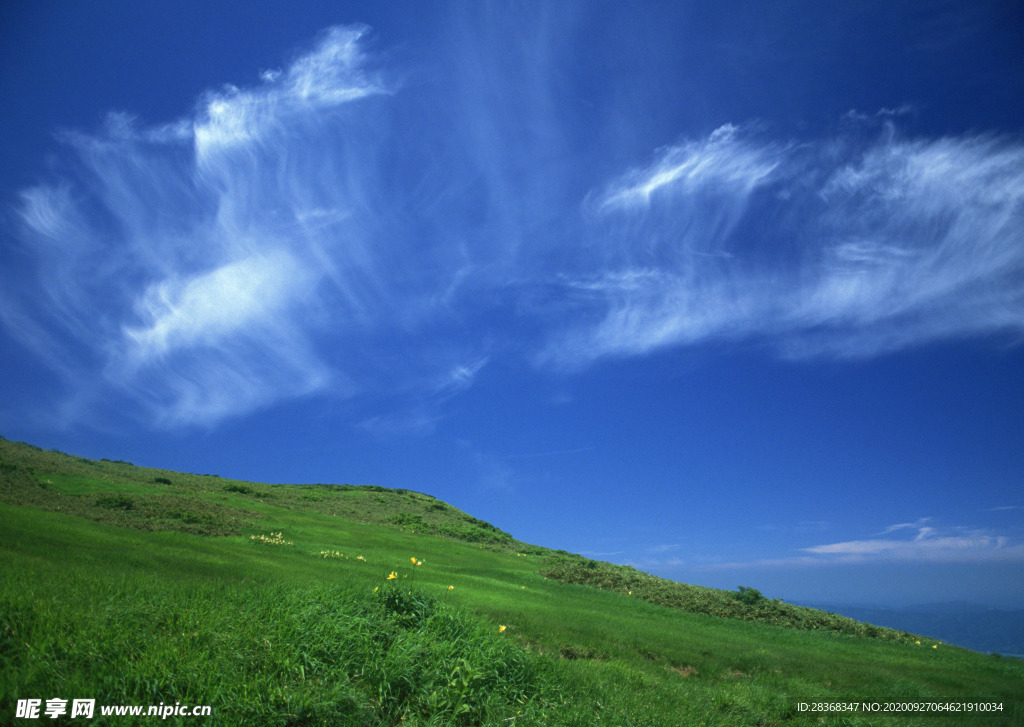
{"x": 241, "y": 489}
{"x": 115, "y": 502}
{"x": 409, "y": 608}
{"x": 161, "y": 480}
{"x": 187, "y": 516}
{"x": 406, "y": 519}
{"x": 749, "y": 596}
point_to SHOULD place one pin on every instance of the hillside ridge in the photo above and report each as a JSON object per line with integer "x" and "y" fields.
{"x": 145, "y": 498}
{"x": 363, "y": 605}
{"x": 209, "y": 504}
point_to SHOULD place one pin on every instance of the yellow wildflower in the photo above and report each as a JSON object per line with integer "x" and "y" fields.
{"x": 392, "y": 576}
{"x": 451, "y": 588}
{"x": 272, "y": 539}
{"x": 501, "y": 629}
{"x": 413, "y": 560}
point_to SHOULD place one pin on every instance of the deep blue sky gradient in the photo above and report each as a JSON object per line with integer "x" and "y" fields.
{"x": 733, "y": 292}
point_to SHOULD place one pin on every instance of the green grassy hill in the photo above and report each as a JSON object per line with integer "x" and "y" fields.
{"x": 361, "y": 605}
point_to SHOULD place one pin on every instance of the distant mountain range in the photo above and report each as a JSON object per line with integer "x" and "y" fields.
{"x": 982, "y": 628}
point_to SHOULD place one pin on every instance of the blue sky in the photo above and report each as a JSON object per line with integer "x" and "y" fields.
{"x": 732, "y": 292}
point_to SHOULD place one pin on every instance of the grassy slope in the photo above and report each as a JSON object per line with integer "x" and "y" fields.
{"x": 126, "y": 589}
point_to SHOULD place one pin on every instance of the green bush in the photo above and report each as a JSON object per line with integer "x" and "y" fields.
{"x": 749, "y": 596}
{"x": 115, "y": 502}
{"x": 406, "y": 519}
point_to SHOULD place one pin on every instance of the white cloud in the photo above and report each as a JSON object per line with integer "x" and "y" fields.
{"x": 460, "y": 377}
{"x": 416, "y": 423}
{"x": 927, "y": 546}
{"x": 316, "y": 232}
{"x": 50, "y": 212}
{"x": 919, "y": 526}
{"x": 820, "y": 249}
{"x": 207, "y": 385}
{"x": 665, "y": 548}
{"x": 333, "y": 74}
{"x": 199, "y": 263}
{"x": 920, "y": 544}
{"x": 215, "y": 305}
{"x": 724, "y": 159}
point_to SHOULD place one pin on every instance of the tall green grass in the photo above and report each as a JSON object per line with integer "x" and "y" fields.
{"x": 265, "y": 652}
{"x": 117, "y": 604}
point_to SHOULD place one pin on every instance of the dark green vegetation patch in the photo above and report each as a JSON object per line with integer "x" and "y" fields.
{"x": 747, "y": 604}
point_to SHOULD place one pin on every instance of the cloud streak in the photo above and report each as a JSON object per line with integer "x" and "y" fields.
{"x": 722, "y": 161}
{"x": 826, "y": 248}
{"x": 922, "y": 544}
{"x": 927, "y": 547}
{"x": 212, "y": 266}
{"x": 328, "y": 232}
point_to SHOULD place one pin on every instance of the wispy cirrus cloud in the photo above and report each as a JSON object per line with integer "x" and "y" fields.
{"x": 920, "y": 526}
{"x": 417, "y": 422}
{"x": 827, "y": 248}
{"x": 419, "y": 416}
{"x": 926, "y": 547}
{"x": 920, "y": 543}
{"x": 724, "y": 160}
{"x": 331, "y": 76}
{"x": 325, "y": 232}
{"x": 211, "y": 266}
